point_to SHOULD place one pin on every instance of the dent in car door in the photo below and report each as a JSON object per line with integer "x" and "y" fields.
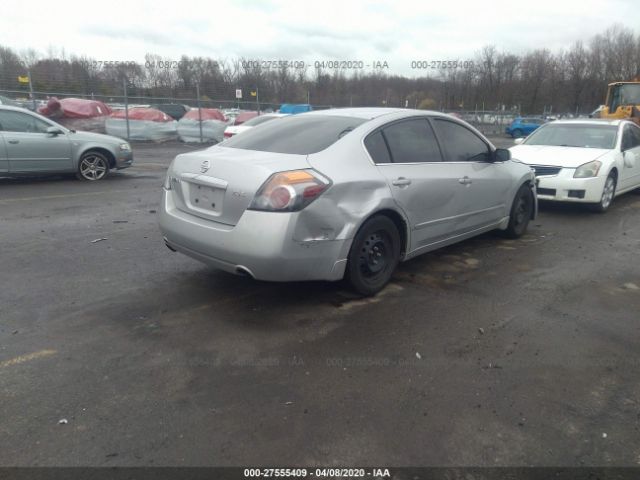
{"x": 408, "y": 156}
{"x": 29, "y": 148}
{"x": 485, "y": 197}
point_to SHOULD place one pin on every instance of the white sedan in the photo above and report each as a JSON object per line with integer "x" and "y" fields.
{"x": 232, "y": 130}
{"x": 585, "y": 161}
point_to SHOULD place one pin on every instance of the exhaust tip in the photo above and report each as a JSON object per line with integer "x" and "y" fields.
{"x": 244, "y": 271}
{"x": 166, "y": 242}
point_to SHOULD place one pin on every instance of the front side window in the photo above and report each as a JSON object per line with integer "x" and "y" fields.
{"x": 630, "y": 137}
{"x": 412, "y": 141}
{"x": 635, "y": 132}
{"x": 11, "y": 121}
{"x": 459, "y": 143}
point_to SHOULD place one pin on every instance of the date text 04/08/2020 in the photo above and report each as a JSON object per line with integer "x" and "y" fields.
{"x": 317, "y": 472}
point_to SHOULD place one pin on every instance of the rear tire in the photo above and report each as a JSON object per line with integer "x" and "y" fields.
{"x": 608, "y": 193}
{"x": 92, "y": 166}
{"x": 374, "y": 255}
{"x": 521, "y": 211}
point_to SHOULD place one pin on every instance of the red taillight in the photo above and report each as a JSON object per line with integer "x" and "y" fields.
{"x": 281, "y": 196}
{"x": 313, "y": 191}
{"x": 228, "y": 134}
{"x": 290, "y": 191}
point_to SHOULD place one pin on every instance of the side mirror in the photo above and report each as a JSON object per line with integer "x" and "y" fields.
{"x": 519, "y": 140}
{"x": 629, "y": 159}
{"x": 501, "y": 155}
{"x": 54, "y": 131}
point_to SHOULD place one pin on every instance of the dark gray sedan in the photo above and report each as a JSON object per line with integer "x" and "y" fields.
{"x": 31, "y": 144}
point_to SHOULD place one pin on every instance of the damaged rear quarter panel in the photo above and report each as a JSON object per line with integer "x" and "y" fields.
{"x": 358, "y": 191}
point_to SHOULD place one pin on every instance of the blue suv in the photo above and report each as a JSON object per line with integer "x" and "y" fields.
{"x": 523, "y": 126}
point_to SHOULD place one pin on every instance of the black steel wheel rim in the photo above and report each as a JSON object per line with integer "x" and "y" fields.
{"x": 373, "y": 257}
{"x": 522, "y": 210}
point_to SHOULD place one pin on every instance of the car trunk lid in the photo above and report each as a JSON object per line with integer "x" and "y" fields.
{"x": 219, "y": 183}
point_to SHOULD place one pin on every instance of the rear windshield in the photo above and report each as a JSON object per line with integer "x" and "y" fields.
{"x": 258, "y": 120}
{"x": 298, "y": 134}
{"x": 584, "y": 136}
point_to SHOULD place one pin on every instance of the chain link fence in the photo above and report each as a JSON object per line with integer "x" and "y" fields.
{"x": 38, "y": 100}
{"x": 489, "y": 122}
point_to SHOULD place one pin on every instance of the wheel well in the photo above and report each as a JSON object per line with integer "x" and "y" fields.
{"x": 400, "y": 224}
{"x": 103, "y": 151}
{"x": 527, "y": 183}
{"x": 614, "y": 172}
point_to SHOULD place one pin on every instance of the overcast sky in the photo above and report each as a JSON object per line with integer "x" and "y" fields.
{"x": 397, "y": 32}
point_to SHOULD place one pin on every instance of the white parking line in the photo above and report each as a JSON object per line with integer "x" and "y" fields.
{"x": 25, "y": 358}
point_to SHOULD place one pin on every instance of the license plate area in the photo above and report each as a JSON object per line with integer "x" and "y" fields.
{"x": 205, "y": 199}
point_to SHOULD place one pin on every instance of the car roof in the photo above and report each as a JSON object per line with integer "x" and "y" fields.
{"x": 592, "y": 121}
{"x": 16, "y": 109}
{"x": 369, "y": 113}
{"x": 358, "y": 112}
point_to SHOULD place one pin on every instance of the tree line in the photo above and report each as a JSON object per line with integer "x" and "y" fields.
{"x": 572, "y": 80}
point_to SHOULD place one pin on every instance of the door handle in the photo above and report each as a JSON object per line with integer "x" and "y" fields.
{"x": 401, "y": 182}
{"x": 14, "y": 142}
{"x": 465, "y": 180}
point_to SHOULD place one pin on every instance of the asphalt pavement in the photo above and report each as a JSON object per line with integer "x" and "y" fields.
{"x": 116, "y": 351}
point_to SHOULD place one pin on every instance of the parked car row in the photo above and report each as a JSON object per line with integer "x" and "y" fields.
{"x": 346, "y": 193}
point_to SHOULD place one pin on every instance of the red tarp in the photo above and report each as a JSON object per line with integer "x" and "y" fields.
{"x": 143, "y": 113}
{"x": 207, "y": 114}
{"x": 244, "y": 116}
{"x": 74, "y": 108}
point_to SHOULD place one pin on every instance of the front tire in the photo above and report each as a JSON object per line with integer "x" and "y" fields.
{"x": 92, "y": 166}
{"x": 517, "y": 133}
{"x": 374, "y": 255}
{"x": 608, "y": 192}
{"x": 521, "y": 211}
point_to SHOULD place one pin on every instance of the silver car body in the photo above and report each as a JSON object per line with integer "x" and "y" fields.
{"x": 433, "y": 204}
{"x": 29, "y": 153}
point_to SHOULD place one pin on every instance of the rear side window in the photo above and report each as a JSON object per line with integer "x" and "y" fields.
{"x": 377, "y": 148}
{"x": 412, "y": 141}
{"x": 298, "y": 134}
{"x": 459, "y": 143}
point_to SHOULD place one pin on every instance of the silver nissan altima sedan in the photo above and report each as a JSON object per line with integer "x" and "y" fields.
{"x": 342, "y": 193}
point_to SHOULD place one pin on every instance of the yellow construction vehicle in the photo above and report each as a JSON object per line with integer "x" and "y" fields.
{"x": 623, "y": 101}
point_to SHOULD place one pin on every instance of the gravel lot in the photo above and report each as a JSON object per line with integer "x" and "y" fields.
{"x": 489, "y": 352}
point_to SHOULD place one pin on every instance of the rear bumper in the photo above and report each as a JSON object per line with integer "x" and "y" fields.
{"x": 564, "y": 188}
{"x": 261, "y": 244}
